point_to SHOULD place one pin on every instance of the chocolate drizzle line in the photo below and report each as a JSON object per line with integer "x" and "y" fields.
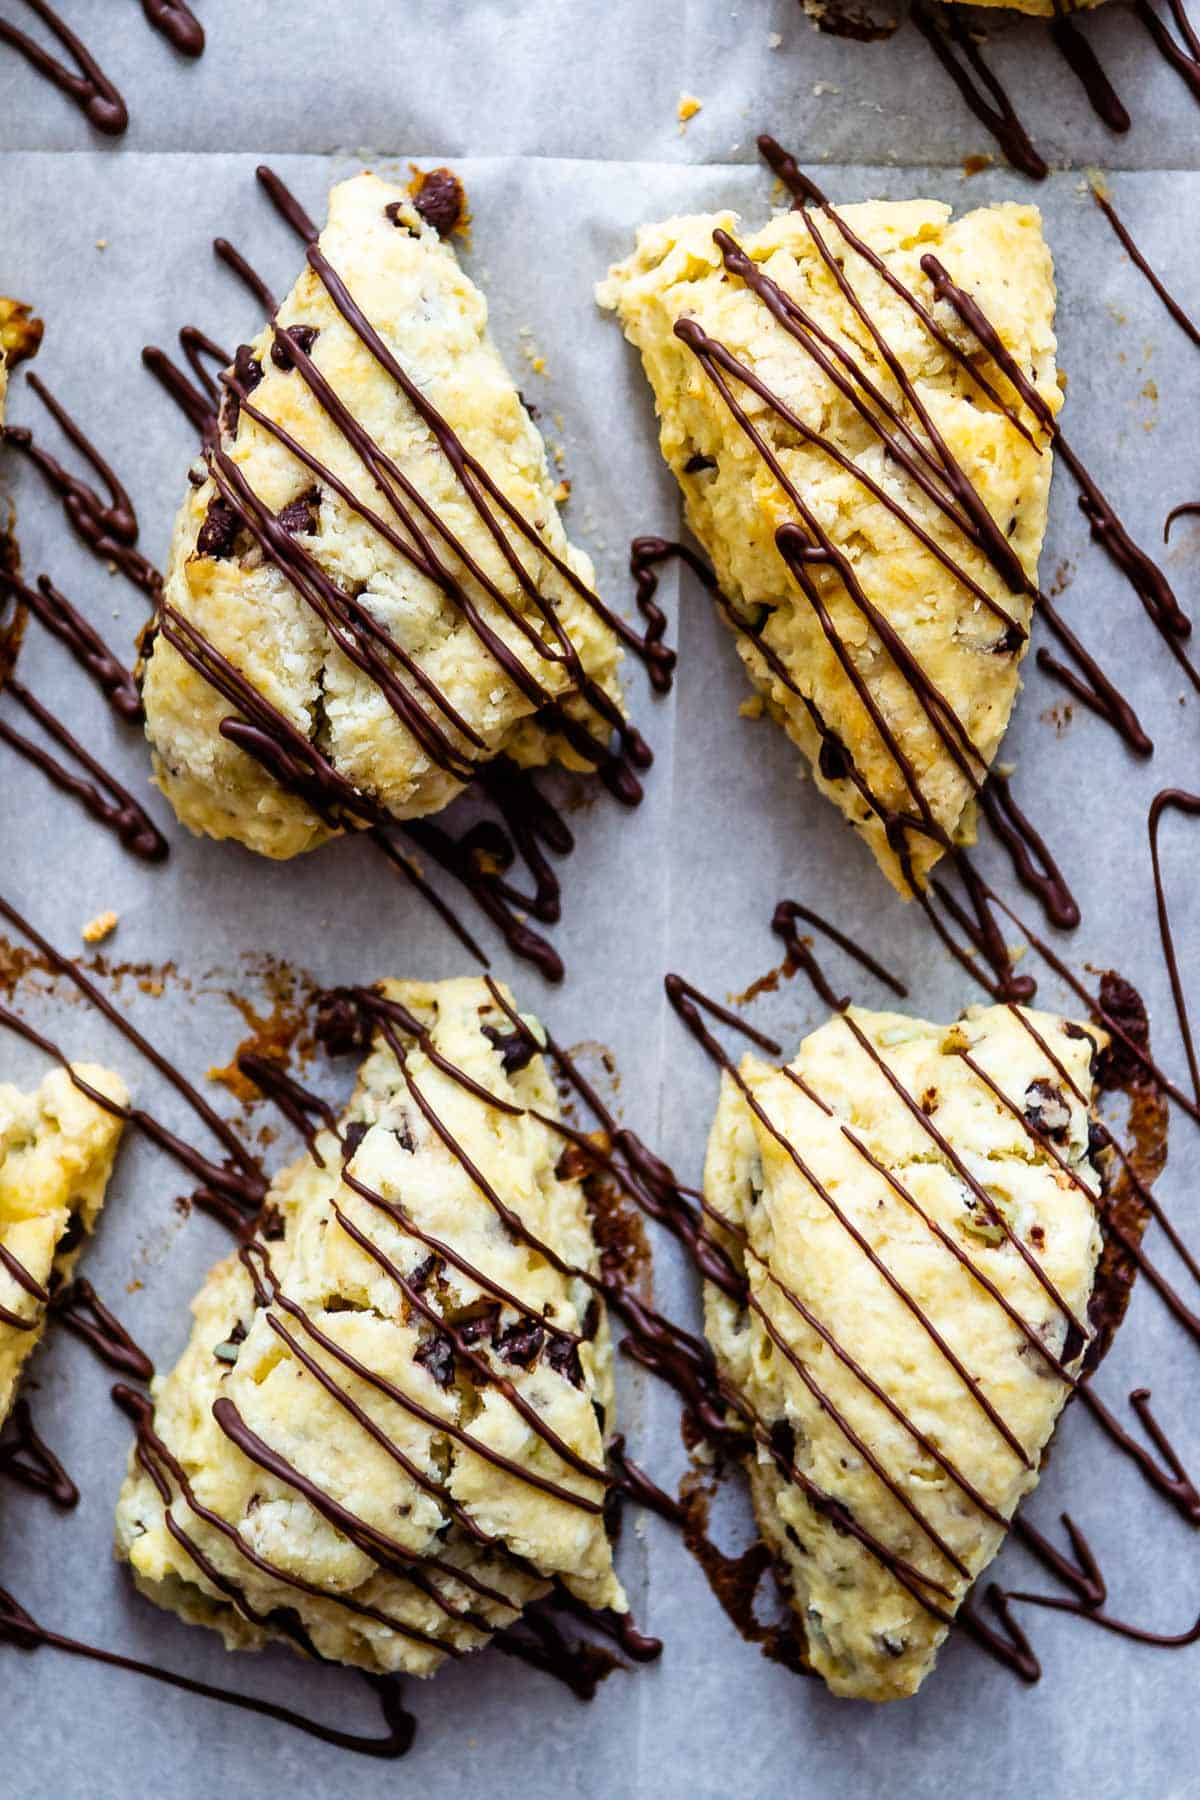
{"x": 1148, "y": 581}
{"x": 804, "y": 546}
{"x": 1138, "y": 260}
{"x": 86, "y": 84}
{"x": 27, "y": 1458}
{"x": 1183, "y": 57}
{"x": 81, "y": 1307}
{"x": 956, "y": 50}
{"x": 955, "y": 47}
{"x": 480, "y": 858}
{"x": 1086, "y": 680}
{"x": 1010, "y": 1645}
{"x": 23, "y": 1632}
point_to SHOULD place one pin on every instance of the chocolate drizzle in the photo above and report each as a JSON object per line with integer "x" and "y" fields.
{"x": 20, "y": 1630}
{"x": 27, "y": 1458}
{"x": 1135, "y": 256}
{"x": 85, "y": 83}
{"x": 806, "y": 549}
{"x": 1125, "y": 1207}
{"x": 957, "y": 50}
{"x": 1086, "y": 680}
{"x": 481, "y": 857}
{"x": 350, "y": 1018}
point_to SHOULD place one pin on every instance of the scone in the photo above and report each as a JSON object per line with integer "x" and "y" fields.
{"x": 369, "y": 573}
{"x": 881, "y": 605}
{"x": 56, "y": 1154}
{"x": 387, "y": 1433}
{"x": 900, "y": 1416}
{"x": 20, "y": 336}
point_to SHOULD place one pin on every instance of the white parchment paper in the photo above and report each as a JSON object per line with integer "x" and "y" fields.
{"x": 562, "y": 121}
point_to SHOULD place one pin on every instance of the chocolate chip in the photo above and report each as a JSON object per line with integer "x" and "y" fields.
{"x": 696, "y": 464}
{"x": 72, "y": 1237}
{"x": 1047, "y": 1110}
{"x": 563, "y": 1357}
{"x": 299, "y": 516}
{"x": 482, "y": 1325}
{"x": 397, "y": 212}
{"x": 436, "y": 1354}
{"x": 353, "y": 1136}
{"x": 218, "y": 534}
{"x": 424, "y": 1272}
{"x": 783, "y": 1440}
{"x": 440, "y": 200}
{"x": 832, "y": 761}
{"x": 271, "y": 1227}
{"x": 574, "y": 1164}
{"x": 341, "y": 1026}
{"x": 304, "y": 336}
{"x": 520, "y": 1343}
{"x": 249, "y": 372}
{"x": 1009, "y": 641}
{"x": 517, "y": 1048}
{"x": 404, "y": 1137}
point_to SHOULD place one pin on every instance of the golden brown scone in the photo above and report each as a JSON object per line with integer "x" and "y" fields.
{"x": 20, "y": 336}
{"x": 56, "y": 1154}
{"x": 735, "y": 504}
{"x": 433, "y": 320}
{"x": 867, "y": 1635}
{"x": 335, "y": 1531}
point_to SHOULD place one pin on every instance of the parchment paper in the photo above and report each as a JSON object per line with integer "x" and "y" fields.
{"x": 562, "y": 121}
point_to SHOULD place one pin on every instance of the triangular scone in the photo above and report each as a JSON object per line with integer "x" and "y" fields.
{"x": 735, "y": 502}
{"x": 385, "y": 1538}
{"x": 913, "y": 1462}
{"x": 433, "y": 321}
{"x": 56, "y": 1154}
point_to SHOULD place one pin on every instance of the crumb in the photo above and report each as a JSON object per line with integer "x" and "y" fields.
{"x": 975, "y": 165}
{"x": 752, "y": 708}
{"x": 562, "y": 492}
{"x": 688, "y": 107}
{"x": 1150, "y": 391}
{"x": 97, "y": 929}
{"x": 774, "y": 39}
{"x": 824, "y": 87}
{"x": 132, "y": 1287}
{"x": 102, "y": 243}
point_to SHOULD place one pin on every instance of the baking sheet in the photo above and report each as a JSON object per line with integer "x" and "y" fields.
{"x": 562, "y": 121}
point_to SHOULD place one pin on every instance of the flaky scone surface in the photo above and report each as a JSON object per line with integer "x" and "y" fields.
{"x": 867, "y": 1636}
{"x": 327, "y": 1276}
{"x": 56, "y": 1154}
{"x": 434, "y": 321}
{"x": 735, "y": 505}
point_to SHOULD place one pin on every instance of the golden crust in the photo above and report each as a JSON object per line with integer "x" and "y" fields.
{"x": 434, "y": 320}
{"x": 867, "y": 1636}
{"x": 360, "y": 1308}
{"x": 735, "y": 505}
{"x": 56, "y": 1154}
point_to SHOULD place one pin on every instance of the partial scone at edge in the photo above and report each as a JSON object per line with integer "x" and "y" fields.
{"x": 734, "y": 503}
{"x": 867, "y": 1635}
{"x": 433, "y": 320}
{"x": 367, "y": 1500}
{"x": 56, "y": 1154}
